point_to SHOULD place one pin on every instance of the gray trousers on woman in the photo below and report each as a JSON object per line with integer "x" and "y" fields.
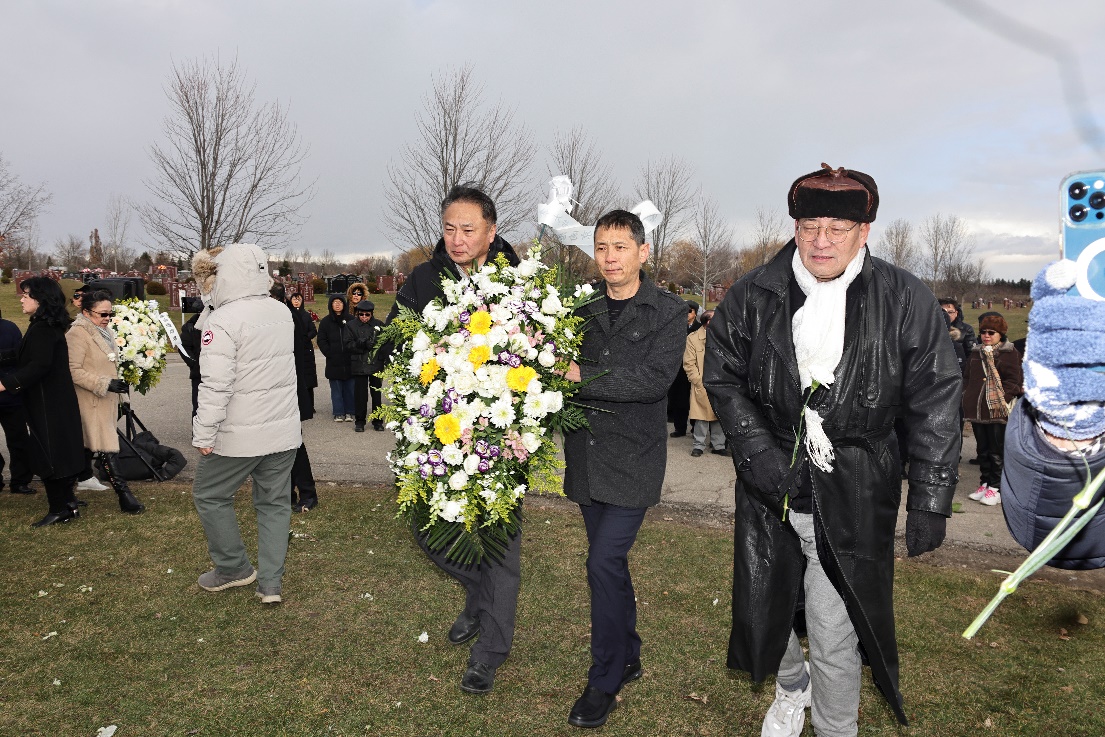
{"x": 834, "y": 647}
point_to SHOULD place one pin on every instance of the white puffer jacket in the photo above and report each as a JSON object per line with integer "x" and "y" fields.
{"x": 247, "y": 395}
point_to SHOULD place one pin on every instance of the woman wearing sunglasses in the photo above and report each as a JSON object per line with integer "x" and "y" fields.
{"x": 93, "y": 363}
{"x": 993, "y": 380}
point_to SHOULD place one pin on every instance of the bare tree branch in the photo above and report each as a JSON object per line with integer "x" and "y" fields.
{"x": 460, "y": 142}
{"x": 714, "y": 253}
{"x": 71, "y": 252}
{"x": 20, "y": 205}
{"x": 944, "y": 242}
{"x": 668, "y": 184}
{"x": 229, "y": 170}
{"x": 898, "y": 247}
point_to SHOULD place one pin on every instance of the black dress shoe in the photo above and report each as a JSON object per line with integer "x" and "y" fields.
{"x": 23, "y": 489}
{"x": 696, "y": 452}
{"x": 631, "y": 672}
{"x": 720, "y": 452}
{"x": 478, "y": 679}
{"x": 677, "y": 435}
{"x": 54, "y": 518}
{"x": 463, "y": 629}
{"x": 359, "y": 427}
{"x": 378, "y": 426}
{"x": 592, "y": 708}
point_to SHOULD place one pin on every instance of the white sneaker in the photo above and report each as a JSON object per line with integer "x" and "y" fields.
{"x": 339, "y": 418}
{"x": 92, "y": 484}
{"x": 977, "y": 494}
{"x": 787, "y": 714}
{"x": 992, "y": 497}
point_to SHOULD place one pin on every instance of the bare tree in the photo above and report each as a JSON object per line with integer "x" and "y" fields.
{"x": 20, "y": 205}
{"x": 117, "y": 223}
{"x": 71, "y": 252}
{"x": 897, "y": 245}
{"x": 714, "y": 241}
{"x": 574, "y": 155}
{"x": 460, "y": 142}
{"x": 769, "y": 234}
{"x": 944, "y": 241}
{"x": 229, "y": 170}
{"x": 668, "y": 184}
{"x": 327, "y": 260}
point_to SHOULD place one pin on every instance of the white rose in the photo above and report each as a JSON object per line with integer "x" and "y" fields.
{"x": 458, "y": 481}
{"x": 452, "y": 510}
{"x": 472, "y": 464}
{"x": 546, "y": 359}
{"x": 530, "y": 442}
{"x": 456, "y": 340}
{"x": 527, "y": 268}
{"x": 421, "y": 341}
{"x": 551, "y": 305}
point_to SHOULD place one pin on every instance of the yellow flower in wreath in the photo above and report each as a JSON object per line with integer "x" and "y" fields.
{"x": 447, "y": 428}
{"x": 519, "y": 378}
{"x": 480, "y": 323}
{"x": 479, "y": 355}
{"x": 429, "y": 371}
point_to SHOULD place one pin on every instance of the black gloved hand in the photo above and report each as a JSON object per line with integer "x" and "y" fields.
{"x": 769, "y": 469}
{"x": 924, "y": 531}
{"x": 117, "y": 385}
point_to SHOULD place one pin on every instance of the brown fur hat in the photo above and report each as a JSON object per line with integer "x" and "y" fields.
{"x": 994, "y": 321}
{"x": 834, "y": 193}
{"x": 204, "y": 268}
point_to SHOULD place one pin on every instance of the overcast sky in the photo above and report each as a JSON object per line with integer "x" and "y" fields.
{"x": 948, "y": 116}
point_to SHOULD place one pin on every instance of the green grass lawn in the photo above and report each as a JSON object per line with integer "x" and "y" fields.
{"x": 139, "y": 645}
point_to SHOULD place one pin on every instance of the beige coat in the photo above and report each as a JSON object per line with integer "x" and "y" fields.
{"x": 92, "y": 370}
{"x": 693, "y": 357}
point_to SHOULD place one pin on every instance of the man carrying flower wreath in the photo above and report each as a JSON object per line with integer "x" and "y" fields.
{"x": 469, "y": 239}
{"x": 632, "y": 349}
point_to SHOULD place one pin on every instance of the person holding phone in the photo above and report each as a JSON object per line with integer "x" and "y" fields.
{"x": 993, "y": 380}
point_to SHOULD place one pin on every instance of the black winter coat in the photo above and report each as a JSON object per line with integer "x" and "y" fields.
{"x": 897, "y": 361}
{"x": 621, "y": 458}
{"x": 362, "y": 346}
{"x": 333, "y": 337}
{"x": 41, "y": 379}
{"x": 10, "y": 338}
{"x": 1038, "y": 482}
{"x": 306, "y": 372}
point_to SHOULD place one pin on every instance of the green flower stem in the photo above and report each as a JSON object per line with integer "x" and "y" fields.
{"x": 1071, "y": 524}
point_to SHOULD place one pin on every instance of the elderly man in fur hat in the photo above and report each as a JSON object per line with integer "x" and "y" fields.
{"x": 809, "y": 360}
{"x": 247, "y": 417}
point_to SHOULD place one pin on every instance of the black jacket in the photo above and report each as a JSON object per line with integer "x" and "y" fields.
{"x": 621, "y": 458}
{"x": 1038, "y": 482}
{"x": 10, "y": 338}
{"x": 361, "y": 344}
{"x": 41, "y": 379}
{"x": 306, "y": 373}
{"x": 897, "y": 361}
{"x": 333, "y": 335}
{"x": 190, "y": 339}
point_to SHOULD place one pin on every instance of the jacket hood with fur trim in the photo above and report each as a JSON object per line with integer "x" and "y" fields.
{"x": 232, "y": 272}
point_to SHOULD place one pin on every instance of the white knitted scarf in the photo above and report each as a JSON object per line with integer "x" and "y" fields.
{"x": 818, "y": 332}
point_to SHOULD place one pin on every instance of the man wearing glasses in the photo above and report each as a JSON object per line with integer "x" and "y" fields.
{"x": 809, "y": 360}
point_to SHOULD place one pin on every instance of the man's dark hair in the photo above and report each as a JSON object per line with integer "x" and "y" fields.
{"x": 468, "y": 193}
{"x": 950, "y": 301}
{"x": 706, "y": 316}
{"x": 623, "y": 220}
{"x": 278, "y": 292}
{"x": 90, "y": 299}
{"x": 50, "y": 298}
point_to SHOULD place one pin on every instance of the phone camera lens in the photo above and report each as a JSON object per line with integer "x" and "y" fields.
{"x": 1097, "y": 200}
{"x": 1077, "y": 190}
{"x": 1078, "y": 213}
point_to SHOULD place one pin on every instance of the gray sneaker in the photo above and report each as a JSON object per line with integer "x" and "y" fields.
{"x": 215, "y": 581}
{"x": 269, "y": 594}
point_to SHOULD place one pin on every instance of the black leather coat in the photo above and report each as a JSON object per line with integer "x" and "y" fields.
{"x": 897, "y": 361}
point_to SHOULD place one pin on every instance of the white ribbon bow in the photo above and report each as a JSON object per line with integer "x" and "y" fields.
{"x": 556, "y": 214}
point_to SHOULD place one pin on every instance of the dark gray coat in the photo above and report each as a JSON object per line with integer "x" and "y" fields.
{"x": 621, "y": 458}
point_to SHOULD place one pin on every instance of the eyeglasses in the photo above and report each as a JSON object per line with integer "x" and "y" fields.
{"x": 988, "y": 332}
{"x": 835, "y": 233}
{"x": 103, "y": 314}
{"x": 364, "y": 314}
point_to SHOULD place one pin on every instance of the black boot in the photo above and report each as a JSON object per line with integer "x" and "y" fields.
{"x": 127, "y": 501}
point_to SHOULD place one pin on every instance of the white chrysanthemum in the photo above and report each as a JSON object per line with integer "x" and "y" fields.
{"x": 464, "y": 381}
{"x": 466, "y": 413}
{"x": 412, "y": 400}
{"x": 434, "y": 392}
{"x": 502, "y": 412}
{"x": 497, "y": 337}
{"x": 534, "y": 406}
{"x": 452, "y": 455}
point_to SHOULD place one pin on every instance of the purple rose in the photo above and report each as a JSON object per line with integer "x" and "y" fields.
{"x": 422, "y": 458}
{"x": 426, "y": 410}
{"x": 484, "y": 466}
{"x": 435, "y": 457}
{"x": 494, "y": 451}
{"x": 439, "y": 470}
{"x": 464, "y": 317}
{"x": 425, "y": 470}
{"x": 504, "y": 357}
{"x": 482, "y": 448}
{"x": 514, "y": 361}
{"x": 446, "y": 405}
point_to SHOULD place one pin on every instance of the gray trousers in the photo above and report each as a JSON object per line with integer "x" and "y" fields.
{"x": 835, "y": 664}
{"x": 218, "y": 479}
{"x": 491, "y": 594}
{"x": 717, "y": 435}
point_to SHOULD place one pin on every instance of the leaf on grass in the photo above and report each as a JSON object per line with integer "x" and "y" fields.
{"x": 48, "y": 635}
{"x": 57, "y": 682}
{"x": 106, "y": 731}
{"x": 695, "y": 697}
{"x": 1067, "y": 689}
{"x": 424, "y": 637}
{"x": 1082, "y": 619}
{"x": 993, "y": 644}
{"x": 435, "y": 679}
{"x": 1063, "y": 635}
{"x": 989, "y": 724}
{"x": 957, "y": 506}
